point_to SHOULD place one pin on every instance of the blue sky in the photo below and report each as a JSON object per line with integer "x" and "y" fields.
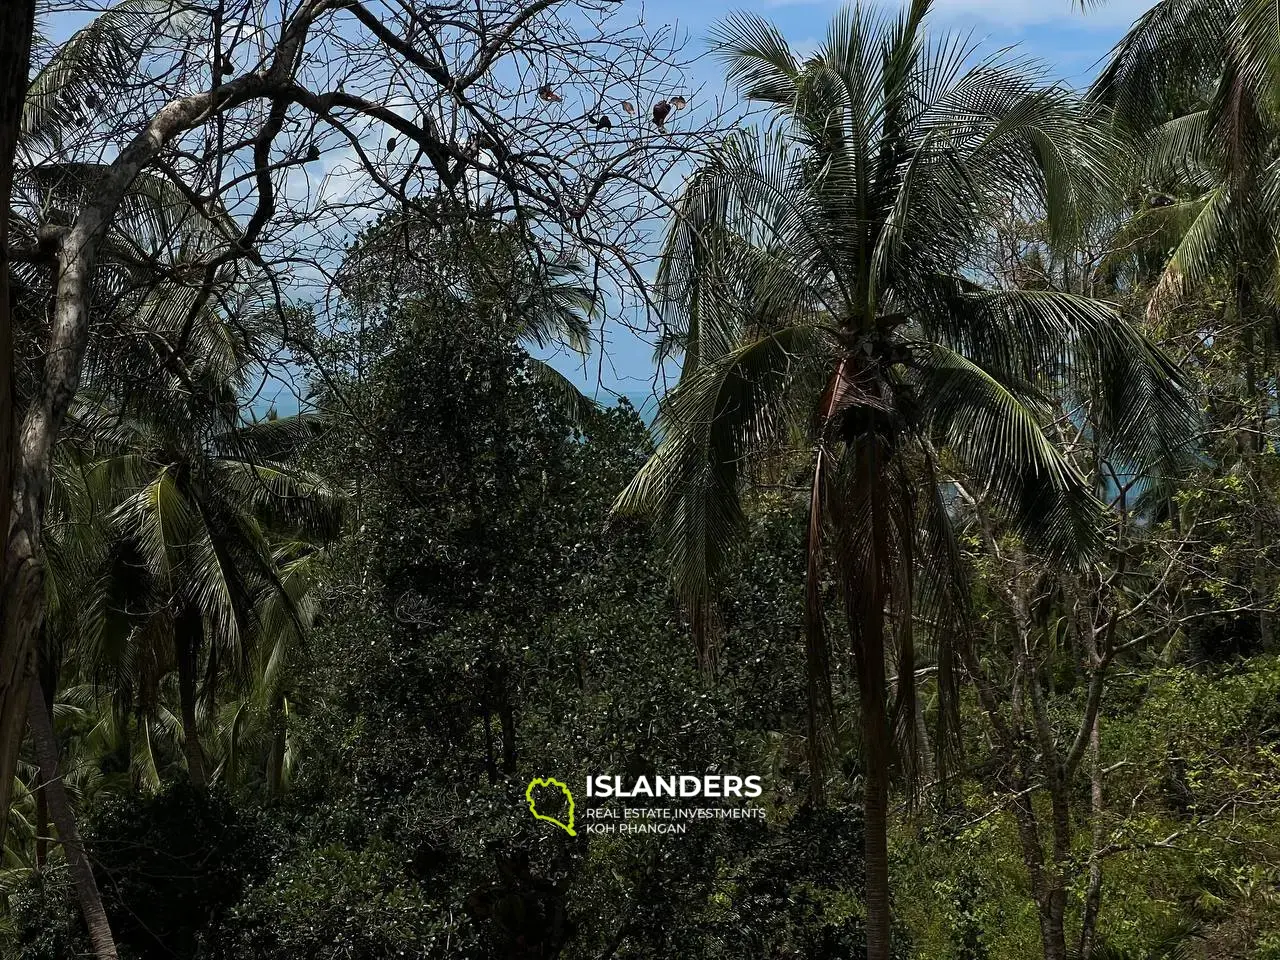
{"x": 1056, "y": 31}
{"x": 1068, "y": 42}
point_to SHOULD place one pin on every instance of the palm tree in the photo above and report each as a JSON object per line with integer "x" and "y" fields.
{"x": 73, "y": 542}
{"x": 195, "y": 557}
{"x": 101, "y": 626}
{"x": 80, "y": 76}
{"x": 158, "y": 439}
{"x": 818, "y": 277}
{"x": 1187, "y": 83}
{"x": 176, "y": 329}
{"x": 1195, "y": 83}
{"x": 255, "y": 722}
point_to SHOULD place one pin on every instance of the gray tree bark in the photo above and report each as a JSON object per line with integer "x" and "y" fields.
{"x": 22, "y": 599}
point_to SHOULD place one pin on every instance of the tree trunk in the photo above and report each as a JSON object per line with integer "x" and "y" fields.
{"x": 188, "y": 634}
{"x": 42, "y": 825}
{"x": 1254, "y": 447}
{"x": 46, "y": 747}
{"x": 500, "y": 695}
{"x": 490, "y": 764}
{"x": 876, "y": 837}
{"x": 924, "y": 745}
{"x": 1043, "y": 890}
{"x": 1054, "y": 908}
{"x": 1053, "y": 932}
{"x": 507, "y": 717}
{"x": 30, "y": 456}
{"x": 817, "y": 655}
{"x": 1093, "y": 894}
{"x": 20, "y": 623}
{"x": 1045, "y": 880}
{"x": 48, "y": 688}
{"x": 705, "y": 639}
{"x": 275, "y": 763}
{"x": 17, "y": 21}
{"x": 872, "y": 681}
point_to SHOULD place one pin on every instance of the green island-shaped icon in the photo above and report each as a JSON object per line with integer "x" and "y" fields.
{"x": 533, "y": 807}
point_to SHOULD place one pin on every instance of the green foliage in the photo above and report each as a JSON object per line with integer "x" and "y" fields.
{"x": 335, "y": 903}
{"x": 44, "y": 922}
{"x": 498, "y": 625}
{"x": 383, "y": 621}
{"x": 170, "y": 866}
{"x": 1192, "y": 831}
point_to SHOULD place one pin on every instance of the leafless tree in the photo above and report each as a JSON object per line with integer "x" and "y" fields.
{"x": 285, "y": 125}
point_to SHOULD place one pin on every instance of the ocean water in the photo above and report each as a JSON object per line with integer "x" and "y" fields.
{"x": 285, "y": 403}
{"x": 646, "y": 405}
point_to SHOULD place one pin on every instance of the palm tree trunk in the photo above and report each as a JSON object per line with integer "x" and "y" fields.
{"x": 872, "y": 681}
{"x": 46, "y": 679}
{"x": 275, "y": 763}
{"x": 42, "y": 826}
{"x": 705, "y": 640}
{"x": 46, "y": 747}
{"x": 928, "y": 764}
{"x": 875, "y": 731}
{"x": 275, "y": 776}
{"x": 188, "y": 634}
{"x": 817, "y": 655}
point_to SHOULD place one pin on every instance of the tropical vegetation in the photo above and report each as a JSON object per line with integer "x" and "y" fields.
{"x": 954, "y": 526}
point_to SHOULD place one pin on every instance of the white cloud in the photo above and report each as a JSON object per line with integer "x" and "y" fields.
{"x": 996, "y": 14}
{"x": 1112, "y": 17}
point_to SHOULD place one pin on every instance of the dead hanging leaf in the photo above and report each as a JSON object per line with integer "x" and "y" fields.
{"x": 678, "y": 102}
{"x": 548, "y": 95}
{"x": 661, "y": 110}
{"x": 391, "y": 145}
{"x": 1167, "y": 294}
{"x": 628, "y": 107}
